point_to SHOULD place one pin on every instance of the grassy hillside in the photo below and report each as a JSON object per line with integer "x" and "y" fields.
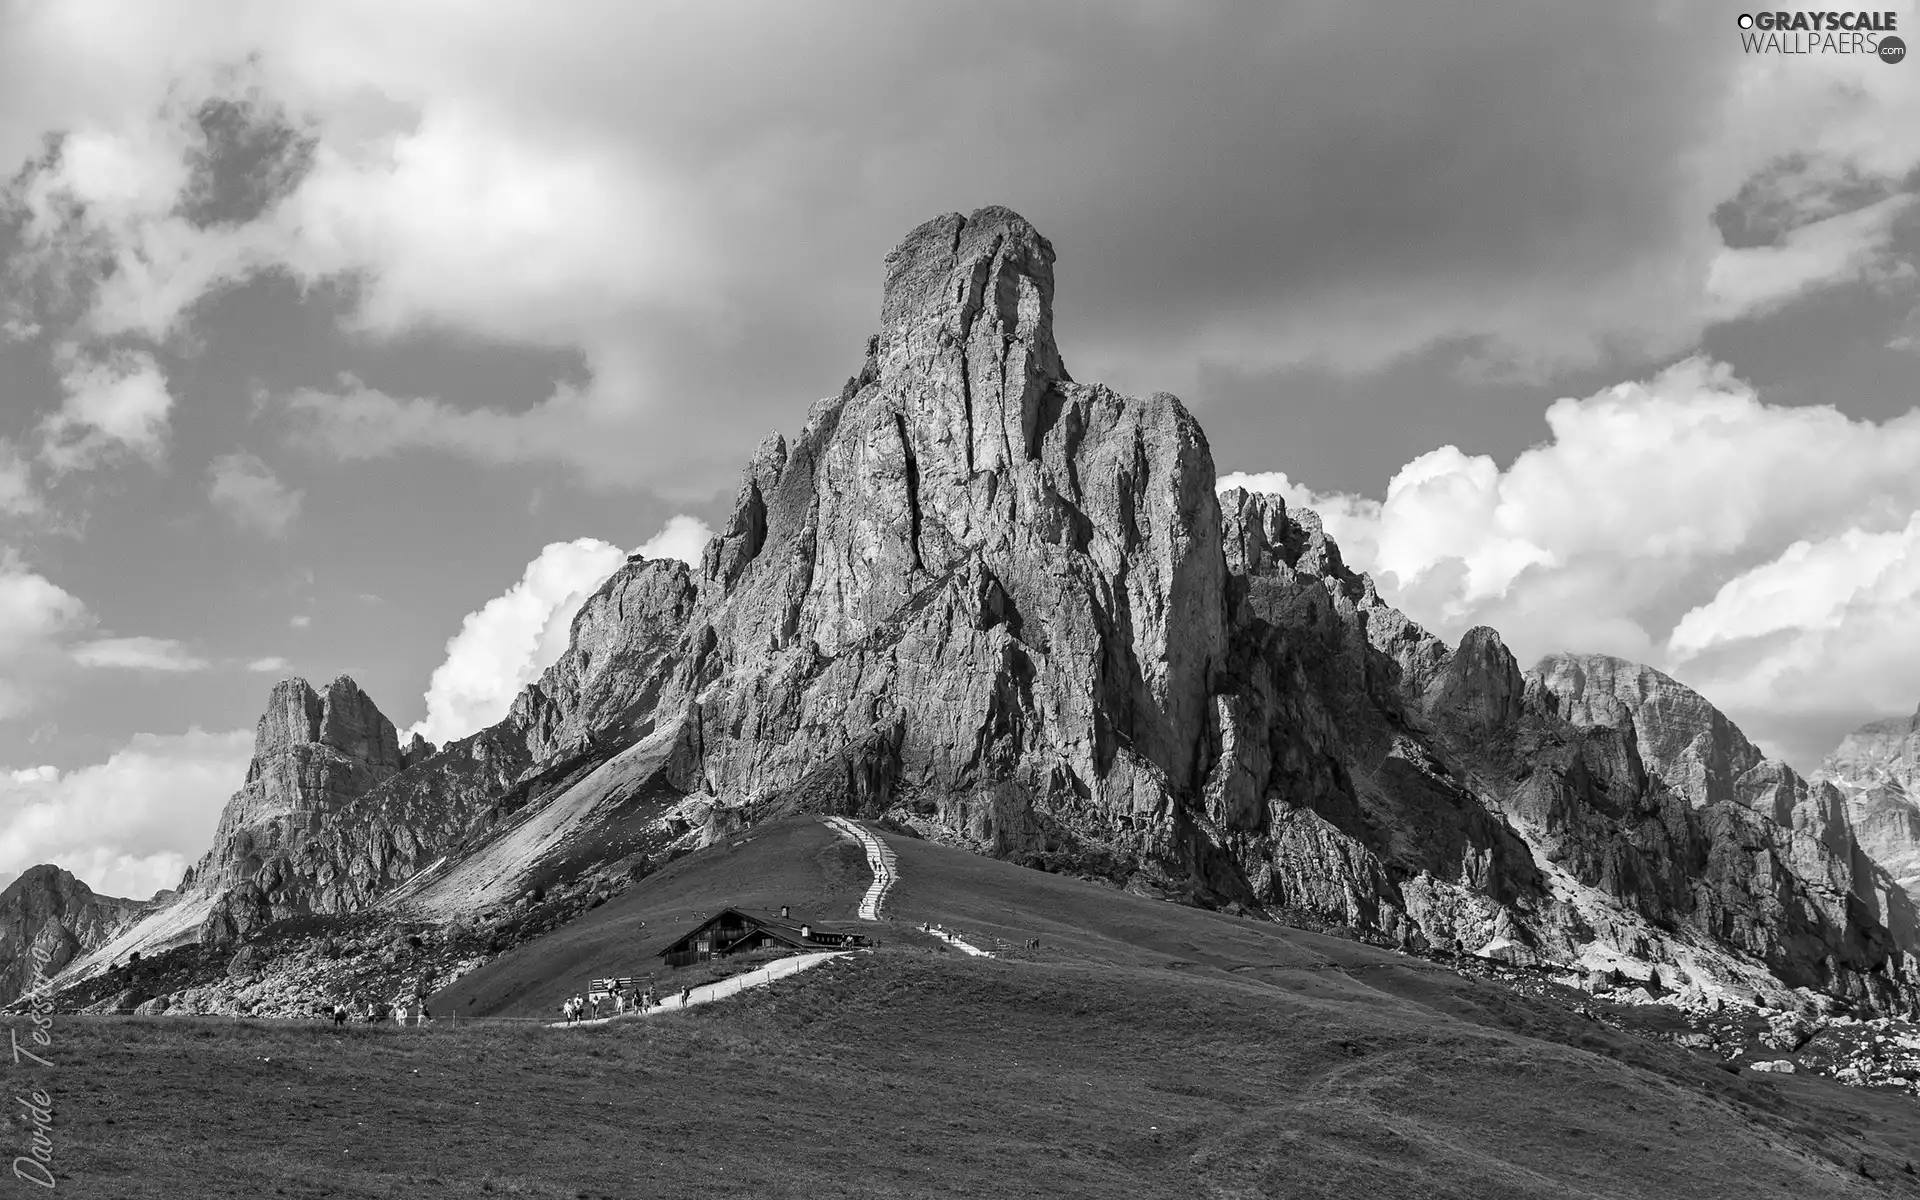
{"x": 914, "y": 1073}
{"x": 1142, "y": 1050}
{"x": 799, "y": 863}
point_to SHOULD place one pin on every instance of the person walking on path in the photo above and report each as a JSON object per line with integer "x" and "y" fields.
{"x": 339, "y": 1014}
{"x": 686, "y": 996}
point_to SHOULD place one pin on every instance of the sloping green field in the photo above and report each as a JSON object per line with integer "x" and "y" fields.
{"x": 1144, "y": 1050}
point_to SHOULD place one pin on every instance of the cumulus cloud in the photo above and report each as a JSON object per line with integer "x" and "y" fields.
{"x": 505, "y": 644}
{"x": 33, "y": 609}
{"x": 251, "y": 495}
{"x": 36, "y": 615}
{"x": 127, "y": 826}
{"x": 269, "y": 665}
{"x": 113, "y": 406}
{"x": 683, "y": 537}
{"x": 1765, "y": 554}
{"x": 138, "y": 654}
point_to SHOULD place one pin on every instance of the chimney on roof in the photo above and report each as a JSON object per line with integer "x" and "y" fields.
{"x": 783, "y": 912}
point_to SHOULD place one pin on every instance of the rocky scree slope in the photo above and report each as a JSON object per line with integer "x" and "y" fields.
{"x": 1877, "y": 769}
{"x": 977, "y": 595}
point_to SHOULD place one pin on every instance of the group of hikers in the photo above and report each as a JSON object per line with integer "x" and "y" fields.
{"x": 404, "y": 1010}
{"x": 612, "y": 1003}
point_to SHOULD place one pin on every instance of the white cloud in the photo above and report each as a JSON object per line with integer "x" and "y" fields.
{"x": 268, "y": 665}
{"x": 138, "y": 654}
{"x": 299, "y": 621}
{"x": 1825, "y": 627}
{"x": 33, "y": 609}
{"x": 36, "y": 615}
{"x": 1745, "y": 547}
{"x": 683, "y": 537}
{"x": 251, "y": 495}
{"x": 115, "y": 405}
{"x": 505, "y": 644}
{"x": 130, "y": 825}
{"x": 1837, "y": 249}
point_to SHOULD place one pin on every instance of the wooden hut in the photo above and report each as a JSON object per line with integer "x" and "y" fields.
{"x": 737, "y": 930}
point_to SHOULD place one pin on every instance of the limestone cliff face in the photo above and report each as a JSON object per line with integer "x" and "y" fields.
{"x": 970, "y": 584}
{"x": 314, "y": 753}
{"x": 48, "y": 909}
{"x": 1877, "y": 769}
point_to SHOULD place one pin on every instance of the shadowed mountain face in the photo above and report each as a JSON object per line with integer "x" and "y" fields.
{"x": 46, "y": 918}
{"x": 1877, "y": 768}
{"x": 979, "y": 596}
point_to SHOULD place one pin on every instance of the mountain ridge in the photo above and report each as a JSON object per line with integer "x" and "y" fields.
{"x": 976, "y": 596}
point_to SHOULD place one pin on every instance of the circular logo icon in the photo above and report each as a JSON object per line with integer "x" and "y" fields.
{"x": 1746, "y": 21}
{"x": 1892, "y": 49}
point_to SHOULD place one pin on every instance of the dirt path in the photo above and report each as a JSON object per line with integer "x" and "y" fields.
{"x": 956, "y": 941}
{"x": 880, "y": 860}
{"x": 720, "y": 989}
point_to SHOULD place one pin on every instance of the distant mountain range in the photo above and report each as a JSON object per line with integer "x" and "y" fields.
{"x": 1007, "y": 608}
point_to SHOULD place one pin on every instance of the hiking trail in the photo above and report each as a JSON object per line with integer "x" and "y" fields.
{"x": 880, "y": 860}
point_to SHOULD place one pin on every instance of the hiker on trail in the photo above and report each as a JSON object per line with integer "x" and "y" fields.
{"x": 373, "y": 1012}
{"x": 339, "y": 1014}
{"x": 686, "y": 996}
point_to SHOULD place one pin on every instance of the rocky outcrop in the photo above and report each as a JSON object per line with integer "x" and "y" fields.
{"x": 314, "y": 754}
{"x": 1877, "y": 769}
{"x": 1784, "y": 874}
{"x": 46, "y": 918}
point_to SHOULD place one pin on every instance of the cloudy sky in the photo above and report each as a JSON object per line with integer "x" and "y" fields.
{"x": 367, "y": 338}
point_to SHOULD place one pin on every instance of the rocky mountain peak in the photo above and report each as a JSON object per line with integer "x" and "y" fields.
{"x": 1681, "y": 735}
{"x": 1877, "y": 769}
{"x": 1480, "y": 686}
{"x": 342, "y": 717}
{"x": 47, "y": 907}
{"x": 1885, "y": 750}
{"x": 967, "y": 336}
